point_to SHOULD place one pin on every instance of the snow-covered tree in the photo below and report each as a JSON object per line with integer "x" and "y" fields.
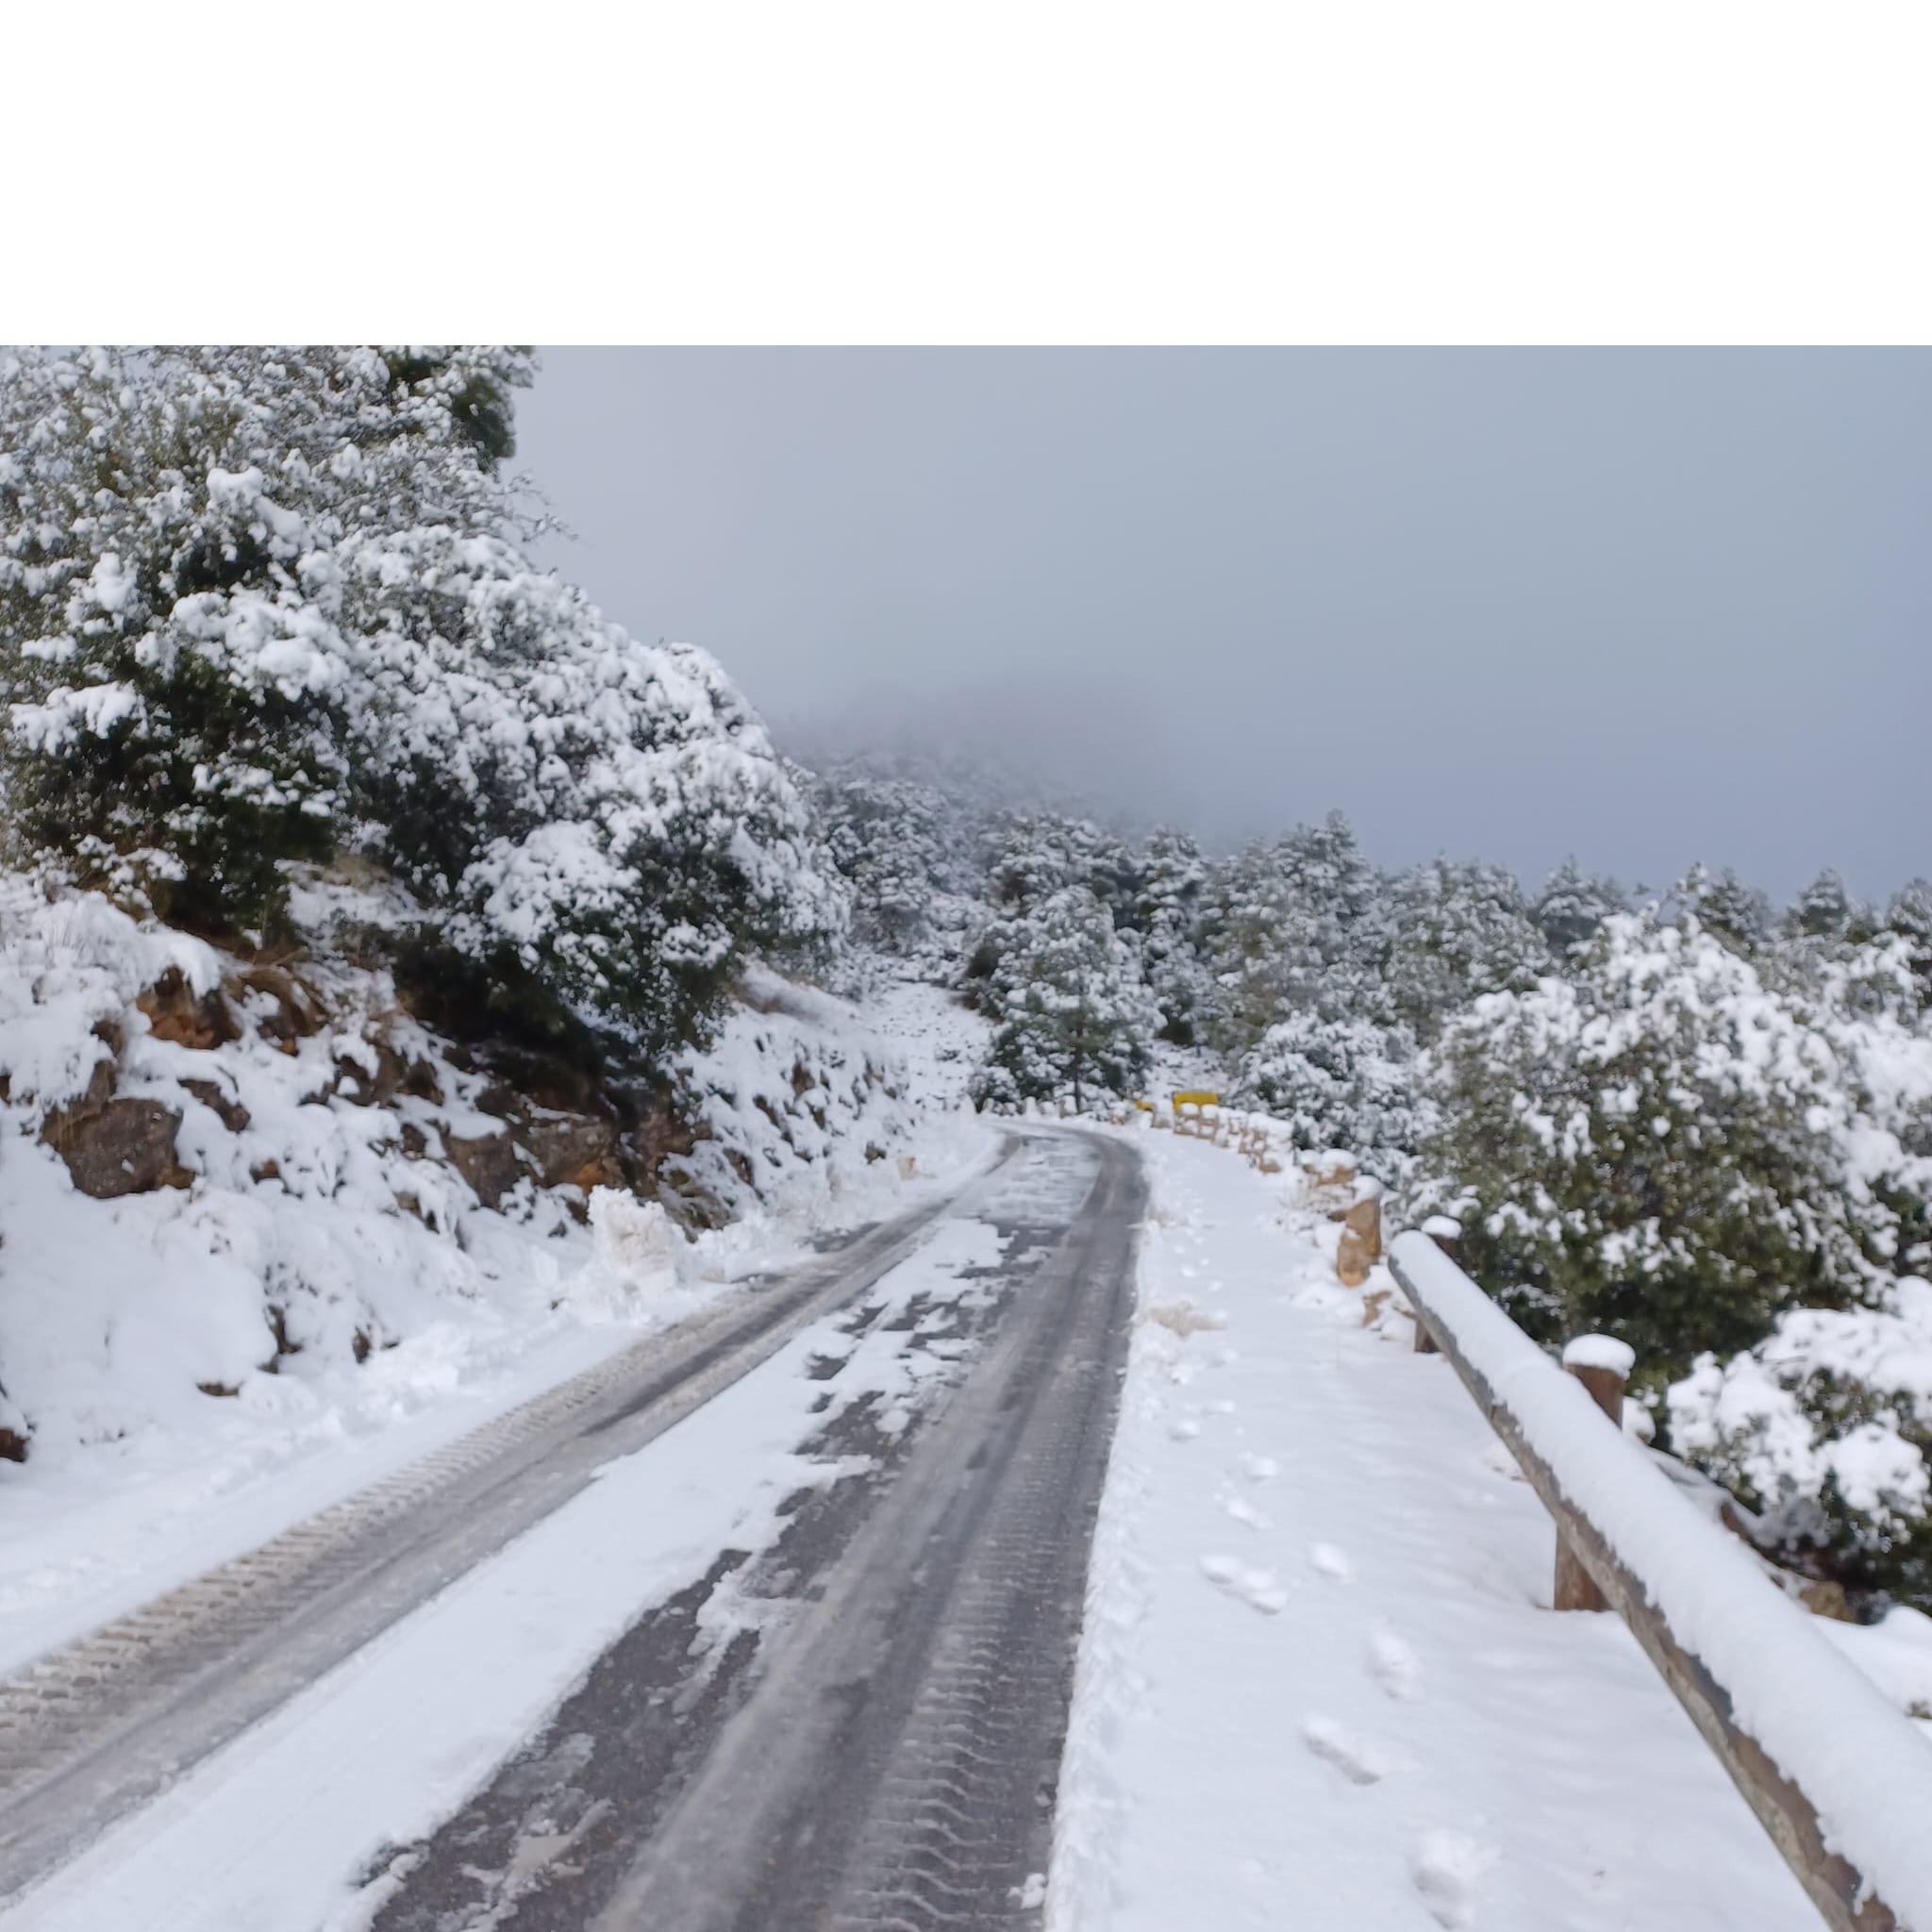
{"x": 1168, "y": 911}
{"x": 1667, "y": 1147}
{"x": 1909, "y": 918}
{"x": 1072, "y": 1014}
{"x": 1726, "y": 908}
{"x": 260, "y": 606}
{"x": 1571, "y": 908}
{"x": 1037, "y": 856}
{"x": 1338, "y": 1082}
{"x": 1290, "y": 927}
{"x": 913, "y": 854}
{"x": 1458, "y": 931}
{"x": 886, "y": 838}
{"x": 1826, "y": 910}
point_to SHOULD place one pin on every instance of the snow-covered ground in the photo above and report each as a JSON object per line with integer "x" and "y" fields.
{"x": 113, "y": 1311}
{"x": 1321, "y": 1681}
{"x": 273, "y": 1833}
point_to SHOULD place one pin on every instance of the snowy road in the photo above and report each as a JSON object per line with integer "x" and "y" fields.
{"x": 806, "y": 1579}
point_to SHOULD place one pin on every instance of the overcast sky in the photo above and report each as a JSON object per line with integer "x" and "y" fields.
{"x": 1644, "y": 607}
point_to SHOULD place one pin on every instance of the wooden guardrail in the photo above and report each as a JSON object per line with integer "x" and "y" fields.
{"x": 1840, "y": 1780}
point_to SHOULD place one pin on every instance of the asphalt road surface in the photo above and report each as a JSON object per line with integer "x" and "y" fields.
{"x": 872, "y": 1739}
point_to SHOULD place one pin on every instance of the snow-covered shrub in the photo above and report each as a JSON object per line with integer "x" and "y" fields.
{"x": 1337, "y": 1083}
{"x": 1669, "y": 1149}
{"x": 623, "y": 832}
{"x": 1827, "y": 1426}
{"x": 1071, "y": 1012}
{"x": 175, "y": 673}
{"x": 259, "y": 605}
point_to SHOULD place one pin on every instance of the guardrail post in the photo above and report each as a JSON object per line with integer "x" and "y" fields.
{"x": 1779, "y": 1709}
{"x": 1603, "y": 1366}
{"x": 1447, "y": 1235}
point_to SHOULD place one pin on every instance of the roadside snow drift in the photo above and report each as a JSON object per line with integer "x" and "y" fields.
{"x": 266, "y": 1236}
{"x": 1320, "y": 1683}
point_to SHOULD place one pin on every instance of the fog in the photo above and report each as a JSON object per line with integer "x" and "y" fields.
{"x": 1641, "y": 606}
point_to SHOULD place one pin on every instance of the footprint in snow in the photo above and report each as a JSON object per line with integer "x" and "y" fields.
{"x": 1359, "y": 1759}
{"x": 1333, "y": 1562}
{"x": 1447, "y": 1868}
{"x": 1395, "y": 1665}
{"x": 1244, "y": 1512}
{"x": 1184, "y": 1428}
{"x": 1259, "y": 1469}
{"x": 1256, "y": 1588}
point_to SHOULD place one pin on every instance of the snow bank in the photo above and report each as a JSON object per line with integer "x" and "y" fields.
{"x": 1823, "y": 1723}
{"x": 346, "y": 1227}
{"x": 1319, "y": 1679}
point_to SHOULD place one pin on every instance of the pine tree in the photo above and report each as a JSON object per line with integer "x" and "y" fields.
{"x": 1039, "y": 855}
{"x": 1736, "y": 914}
{"x": 1909, "y": 919}
{"x": 1571, "y": 908}
{"x": 1826, "y": 910}
{"x": 1172, "y": 875}
{"x": 1458, "y": 931}
{"x": 886, "y": 837}
{"x": 1072, "y": 1013}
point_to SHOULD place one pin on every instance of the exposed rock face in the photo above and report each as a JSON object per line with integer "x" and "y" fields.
{"x": 175, "y": 1011}
{"x": 487, "y": 1161}
{"x": 571, "y": 1150}
{"x": 396, "y": 1073}
{"x": 114, "y": 1147}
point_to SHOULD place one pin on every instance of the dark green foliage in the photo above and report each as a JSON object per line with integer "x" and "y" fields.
{"x": 266, "y": 606}
{"x": 1633, "y": 1148}
{"x": 1072, "y": 1015}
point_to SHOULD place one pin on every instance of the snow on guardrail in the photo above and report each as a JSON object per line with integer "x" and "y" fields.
{"x": 1840, "y": 1780}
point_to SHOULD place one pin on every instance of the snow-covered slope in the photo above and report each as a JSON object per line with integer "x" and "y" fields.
{"x": 266, "y": 1236}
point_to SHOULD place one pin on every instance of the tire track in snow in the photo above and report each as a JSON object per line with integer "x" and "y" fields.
{"x": 95, "y": 1729}
{"x": 880, "y": 1746}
